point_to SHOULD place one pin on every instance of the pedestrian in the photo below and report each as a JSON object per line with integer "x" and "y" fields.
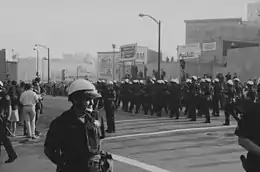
{"x": 14, "y": 96}
{"x": 28, "y": 100}
{"x": 5, "y": 108}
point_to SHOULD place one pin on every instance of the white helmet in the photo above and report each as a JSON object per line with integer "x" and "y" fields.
{"x": 194, "y": 77}
{"x": 250, "y": 83}
{"x": 258, "y": 81}
{"x": 188, "y": 81}
{"x": 135, "y": 81}
{"x": 83, "y": 85}
{"x": 110, "y": 83}
{"x": 208, "y": 80}
{"x": 216, "y": 80}
{"x": 1, "y": 84}
{"x": 230, "y": 82}
{"x": 237, "y": 79}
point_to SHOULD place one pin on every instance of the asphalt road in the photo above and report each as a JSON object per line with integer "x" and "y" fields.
{"x": 143, "y": 143}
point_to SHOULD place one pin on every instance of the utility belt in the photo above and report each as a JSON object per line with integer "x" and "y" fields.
{"x": 102, "y": 162}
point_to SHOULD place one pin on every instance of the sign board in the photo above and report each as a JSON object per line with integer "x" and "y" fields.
{"x": 128, "y": 52}
{"x": 105, "y": 64}
{"x": 210, "y": 46}
{"x": 189, "y": 51}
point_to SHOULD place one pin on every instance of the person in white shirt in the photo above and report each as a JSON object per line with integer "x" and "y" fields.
{"x": 28, "y": 100}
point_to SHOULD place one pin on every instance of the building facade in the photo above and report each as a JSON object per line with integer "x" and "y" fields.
{"x": 75, "y": 65}
{"x": 2, "y": 65}
{"x": 242, "y": 59}
{"x": 253, "y": 12}
{"x": 144, "y": 56}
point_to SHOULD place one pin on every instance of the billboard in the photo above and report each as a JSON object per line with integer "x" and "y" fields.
{"x": 189, "y": 51}
{"x": 128, "y": 52}
{"x": 210, "y": 46}
{"x": 105, "y": 64}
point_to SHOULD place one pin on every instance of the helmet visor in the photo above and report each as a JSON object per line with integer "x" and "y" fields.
{"x": 92, "y": 94}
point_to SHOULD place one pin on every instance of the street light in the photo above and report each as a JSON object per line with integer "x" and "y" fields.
{"x": 113, "y": 62}
{"x": 48, "y": 58}
{"x": 158, "y": 22}
{"x": 35, "y": 48}
{"x": 43, "y": 59}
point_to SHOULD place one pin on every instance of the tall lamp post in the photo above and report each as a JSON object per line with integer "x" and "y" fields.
{"x": 48, "y": 58}
{"x": 43, "y": 59}
{"x": 158, "y": 22}
{"x": 35, "y": 48}
{"x": 113, "y": 62}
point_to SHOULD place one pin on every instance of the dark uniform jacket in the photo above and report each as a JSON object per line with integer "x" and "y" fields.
{"x": 5, "y": 103}
{"x": 248, "y": 127}
{"x": 67, "y": 142}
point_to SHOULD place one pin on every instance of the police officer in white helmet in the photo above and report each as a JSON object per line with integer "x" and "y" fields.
{"x": 74, "y": 137}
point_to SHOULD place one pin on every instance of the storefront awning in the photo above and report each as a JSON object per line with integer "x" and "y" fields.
{"x": 236, "y": 44}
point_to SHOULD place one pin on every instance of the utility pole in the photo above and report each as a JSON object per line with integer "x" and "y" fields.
{"x": 113, "y": 62}
{"x": 48, "y": 58}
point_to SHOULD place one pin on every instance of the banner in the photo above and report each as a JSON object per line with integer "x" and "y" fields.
{"x": 189, "y": 51}
{"x": 210, "y": 46}
{"x": 128, "y": 52}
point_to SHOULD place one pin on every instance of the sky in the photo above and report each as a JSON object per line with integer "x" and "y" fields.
{"x": 91, "y": 26}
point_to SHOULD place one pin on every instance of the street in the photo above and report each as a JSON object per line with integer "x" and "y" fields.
{"x": 143, "y": 143}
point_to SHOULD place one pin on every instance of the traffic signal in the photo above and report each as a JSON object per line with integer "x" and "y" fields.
{"x": 182, "y": 63}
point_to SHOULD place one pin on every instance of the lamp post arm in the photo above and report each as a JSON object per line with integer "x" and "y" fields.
{"x": 156, "y": 21}
{"x": 43, "y": 46}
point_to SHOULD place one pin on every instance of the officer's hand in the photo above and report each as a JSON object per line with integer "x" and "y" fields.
{"x": 97, "y": 123}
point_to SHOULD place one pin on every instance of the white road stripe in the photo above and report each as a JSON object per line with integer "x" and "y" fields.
{"x": 141, "y": 119}
{"x": 138, "y": 164}
{"x": 168, "y": 131}
{"x": 142, "y": 165}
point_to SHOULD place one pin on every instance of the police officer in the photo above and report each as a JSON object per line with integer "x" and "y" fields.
{"x": 175, "y": 98}
{"x": 207, "y": 92}
{"x": 216, "y": 96}
{"x": 249, "y": 93}
{"x": 192, "y": 96}
{"x": 248, "y": 137}
{"x": 230, "y": 97}
{"x": 5, "y": 108}
{"x": 109, "y": 105}
{"x": 74, "y": 137}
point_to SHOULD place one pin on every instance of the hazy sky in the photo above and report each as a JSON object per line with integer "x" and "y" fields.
{"x": 93, "y": 25}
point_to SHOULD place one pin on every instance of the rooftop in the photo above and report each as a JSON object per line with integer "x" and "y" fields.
{"x": 214, "y": 20}
{"x": 108, "y": 52}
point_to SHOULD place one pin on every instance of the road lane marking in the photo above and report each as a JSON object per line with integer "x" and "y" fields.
{"x": 168, "y": 131}
{"x": 141, "y": 119}
{"x": 125, "y": 160}
{"x": 138, "y": 164}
